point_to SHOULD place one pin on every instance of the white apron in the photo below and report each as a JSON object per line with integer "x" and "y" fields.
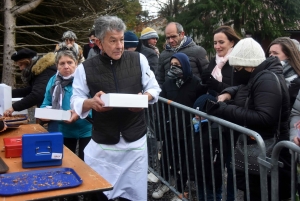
{"x": 124, "y": 165}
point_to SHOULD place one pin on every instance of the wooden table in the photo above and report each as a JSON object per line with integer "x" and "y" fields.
{"x": 92, "y": 181}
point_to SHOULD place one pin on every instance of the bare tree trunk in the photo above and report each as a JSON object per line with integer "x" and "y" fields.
{"x": 10, "y": 13}
{"x": 8, "y": 43}
{"x": 171, "y": 8}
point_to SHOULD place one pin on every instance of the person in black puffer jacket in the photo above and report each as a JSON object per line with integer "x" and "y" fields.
{"x": 36, "y": 72}
{"x": 220, "y": 75}
{"x": 262, "y": 114}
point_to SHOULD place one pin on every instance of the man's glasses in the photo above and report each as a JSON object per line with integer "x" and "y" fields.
{"x": 69, "y": 39}
{"x": 173, "y": 37}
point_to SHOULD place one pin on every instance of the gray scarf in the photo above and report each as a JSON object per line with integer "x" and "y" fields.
{"x": 175, "y": 49}
{"x": 58, "y": 92}
{"x": 288, "y": 70}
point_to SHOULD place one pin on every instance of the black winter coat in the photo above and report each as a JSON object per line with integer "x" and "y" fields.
{"x": 150, "y": 54}
{"x": 185, "y": 95}
{"x": 227, "y": 73}
{"x": 33, "y": 94}
{"x": 265, "y": 100}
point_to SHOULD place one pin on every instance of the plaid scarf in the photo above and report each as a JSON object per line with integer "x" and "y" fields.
{"x": 58, "y": 92}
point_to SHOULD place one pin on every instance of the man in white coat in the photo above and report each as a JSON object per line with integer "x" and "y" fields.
{"x": 118, "y": 148}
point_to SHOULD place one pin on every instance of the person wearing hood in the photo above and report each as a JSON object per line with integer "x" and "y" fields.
{"x": 289, "y": 55}
{"x": 176, "y": 41}
{"x": 261, "y": 112}
{"x": 58, "y": 94}
{"x": 182, "y": 87}
{"x": 36, "y": 71}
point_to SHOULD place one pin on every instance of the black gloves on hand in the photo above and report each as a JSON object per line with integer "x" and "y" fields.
{"x": 209, "y": 80}
{"x": 205, "y": 76}
{"x": 212, "y": 83}
{"x": 213, "y": 108}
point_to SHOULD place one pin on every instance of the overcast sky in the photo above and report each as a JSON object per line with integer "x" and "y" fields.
{"x": 151, "y": 5}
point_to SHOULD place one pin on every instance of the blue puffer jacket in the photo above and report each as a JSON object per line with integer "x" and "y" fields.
{"x": 79, "y": 129}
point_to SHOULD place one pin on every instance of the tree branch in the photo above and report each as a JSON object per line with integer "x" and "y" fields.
{"x": 40, "y": 26}
{"x": 35, "y": 34}
{"x": 35, "y": 45}
{"x": 27, "y": 7}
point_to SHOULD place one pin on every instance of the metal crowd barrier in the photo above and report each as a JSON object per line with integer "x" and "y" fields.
{"x": 162, "y": 116}
{"x": 275, "y": 168}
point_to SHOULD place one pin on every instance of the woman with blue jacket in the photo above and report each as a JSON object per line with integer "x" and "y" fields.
{"x": 58, "y": 95}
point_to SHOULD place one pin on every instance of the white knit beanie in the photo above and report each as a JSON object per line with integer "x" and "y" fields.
{"x": 247, "y": 52}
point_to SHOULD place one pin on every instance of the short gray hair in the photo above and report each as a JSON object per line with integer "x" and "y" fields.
{"x": 69, "y": 53}
{"x": 108, "y": 23}
{"x": 69, "y": 34}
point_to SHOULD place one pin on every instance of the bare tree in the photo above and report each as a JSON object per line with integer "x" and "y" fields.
{"x": 11, "y": 11}
{"x": 39, "y": 24}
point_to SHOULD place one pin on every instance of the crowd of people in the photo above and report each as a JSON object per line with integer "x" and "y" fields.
{"x": 239, "y": 80}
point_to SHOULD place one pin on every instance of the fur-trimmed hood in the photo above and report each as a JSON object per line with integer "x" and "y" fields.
{"x": 46, "y": 61}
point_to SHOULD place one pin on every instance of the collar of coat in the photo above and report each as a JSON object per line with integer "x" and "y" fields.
{"x": 46, "y": 61}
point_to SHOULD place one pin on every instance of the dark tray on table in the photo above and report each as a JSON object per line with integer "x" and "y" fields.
{"x": 38, "y": 180}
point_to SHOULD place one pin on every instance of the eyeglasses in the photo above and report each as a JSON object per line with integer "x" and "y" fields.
{"x": 69, "y": 39}
{"x": 153, "y": 38}
{"x": 173, "y": 37}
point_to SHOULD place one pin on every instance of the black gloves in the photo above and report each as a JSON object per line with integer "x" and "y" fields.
{"x": 213, "y": 108}
{"x": 209, "y": 80}
{"x": 205, "y": 75}
{"x": 212, "y": 83}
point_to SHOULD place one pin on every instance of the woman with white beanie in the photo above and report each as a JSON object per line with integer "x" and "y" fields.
{"x": 289, "y": 55}
{"x": 256, "y": 104}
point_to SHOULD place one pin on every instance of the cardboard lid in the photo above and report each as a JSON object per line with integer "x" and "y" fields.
{"x": 12, "y": 141}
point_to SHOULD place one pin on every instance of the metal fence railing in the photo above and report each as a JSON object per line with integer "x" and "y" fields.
{"x": 187, "y": 157}
{"x": 294, "y": 150}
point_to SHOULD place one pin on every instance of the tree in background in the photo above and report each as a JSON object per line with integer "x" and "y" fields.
{"x": 39, "y": 25}
{"x": 260, "y": 18}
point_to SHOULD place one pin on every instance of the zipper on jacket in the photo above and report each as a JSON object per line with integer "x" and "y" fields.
{"x": 113, "y": 69}
{"x": 114, "y": 74}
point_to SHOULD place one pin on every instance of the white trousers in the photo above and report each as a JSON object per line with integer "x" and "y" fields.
{"x": 124, "y": 165}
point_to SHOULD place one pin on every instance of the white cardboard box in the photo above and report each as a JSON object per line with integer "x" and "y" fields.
{"x": 5, "y": 98}
{"x": 125, "y": 100}
{"x": 52, "y": 114}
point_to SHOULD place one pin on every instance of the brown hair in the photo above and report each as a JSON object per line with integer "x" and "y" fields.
{"x": 229, "y": 32}
{"x": 290, "y": 50}
{"x": 26, "y": 61}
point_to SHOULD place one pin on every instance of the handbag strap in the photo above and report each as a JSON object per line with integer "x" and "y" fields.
{"x": 280, "y": 93}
